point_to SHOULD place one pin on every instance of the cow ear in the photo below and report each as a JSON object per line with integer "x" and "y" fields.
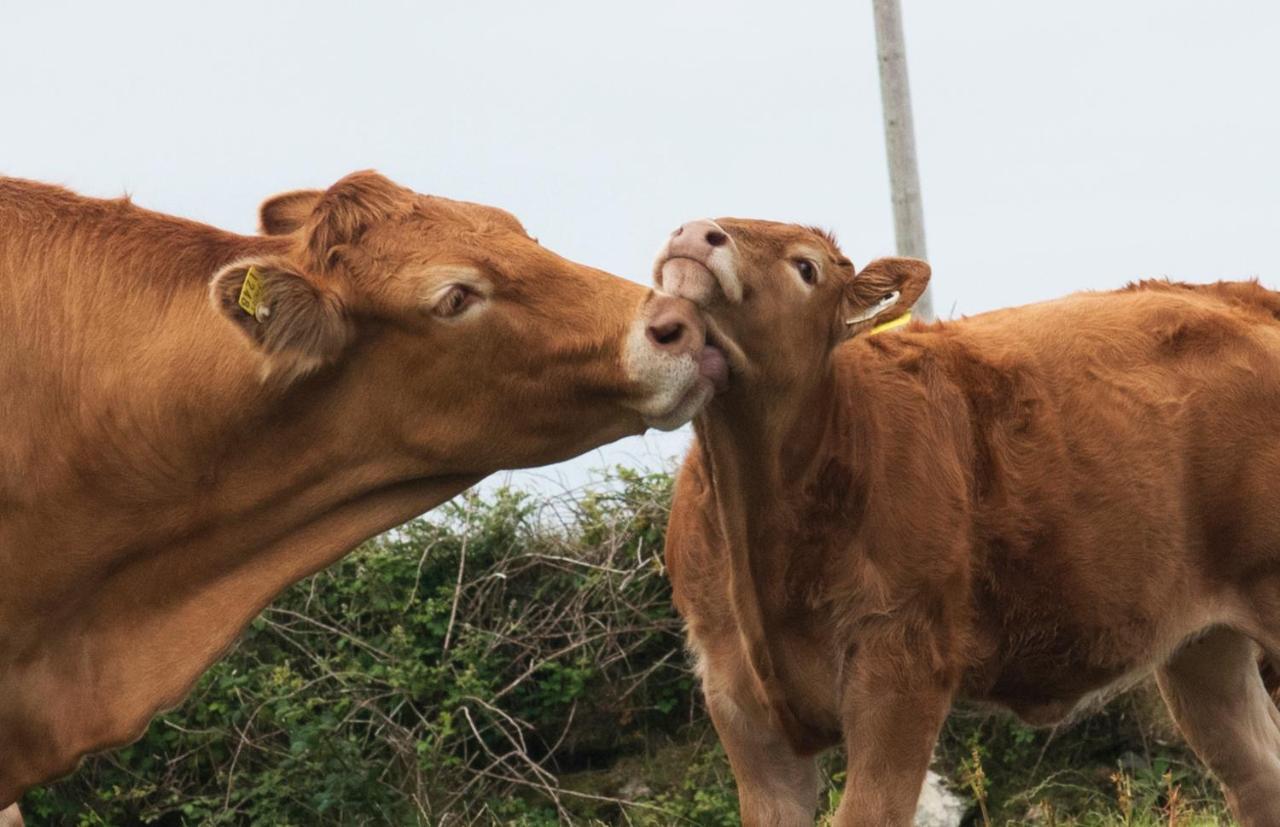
{"x": 295, "y": 325}
{"x": 884, "y": 290}
{"x": 284, "y": 213}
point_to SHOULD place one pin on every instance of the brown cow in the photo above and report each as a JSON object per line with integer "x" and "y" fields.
{"x": 1030, "y": 508}
{"x": 193, "y": 419}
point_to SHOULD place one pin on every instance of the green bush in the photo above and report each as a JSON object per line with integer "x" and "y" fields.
{"x": 517, "y": 661}
{"x": 438, "y": 669}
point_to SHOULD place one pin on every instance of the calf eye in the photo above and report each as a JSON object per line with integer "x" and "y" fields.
{"x": 807, "y": 270}
{"x": 456, "y": 298}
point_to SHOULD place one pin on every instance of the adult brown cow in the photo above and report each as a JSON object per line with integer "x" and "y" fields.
{"x": 1028, "y": 507}
{"x": 194, "y": 419}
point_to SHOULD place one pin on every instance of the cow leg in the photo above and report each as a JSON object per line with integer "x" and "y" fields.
{"x": 1215, "y": 693}
{"x": 891, "y": 726}
{"x": 10, "y": 817}
{"x": 776, "y": 787}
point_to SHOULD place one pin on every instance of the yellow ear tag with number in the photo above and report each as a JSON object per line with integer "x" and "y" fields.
{"x": 251, "y": 292}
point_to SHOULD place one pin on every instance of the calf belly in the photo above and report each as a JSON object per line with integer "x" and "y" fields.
{"x": 1048, "y": 675}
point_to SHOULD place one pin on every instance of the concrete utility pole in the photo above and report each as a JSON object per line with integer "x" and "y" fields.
{"x": 900, "y": 140}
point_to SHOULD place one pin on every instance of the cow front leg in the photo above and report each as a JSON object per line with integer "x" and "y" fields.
{"x": 776, "y": 787}
{"x": 10, "y": 817}
{"x": 891, "y": 715}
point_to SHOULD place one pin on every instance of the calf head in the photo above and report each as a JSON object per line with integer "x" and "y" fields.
{"x": 457, "y": 335}
{"x": 780, "y": 297}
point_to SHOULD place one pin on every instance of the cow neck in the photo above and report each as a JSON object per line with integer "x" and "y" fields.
{"x": 188, "y": 506}
{"x": 213, "y": 475}
{"x": 229, "y": 461}
{"x": 757, "y": 444}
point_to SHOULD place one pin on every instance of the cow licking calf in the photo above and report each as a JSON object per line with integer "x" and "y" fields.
{"x": 1030, "y": 508}
{"x": 195, "y": 419}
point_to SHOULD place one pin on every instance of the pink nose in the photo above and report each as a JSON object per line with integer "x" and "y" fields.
{"x": 674, "y": 326}
{"x": 697, "y": 239}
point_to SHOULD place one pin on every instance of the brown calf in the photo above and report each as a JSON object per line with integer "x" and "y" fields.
{"x": 193, "y": 420}
{"x": 1030, "y": 507}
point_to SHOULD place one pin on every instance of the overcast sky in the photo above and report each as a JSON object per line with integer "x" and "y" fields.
{"x": 1063, "y": 145}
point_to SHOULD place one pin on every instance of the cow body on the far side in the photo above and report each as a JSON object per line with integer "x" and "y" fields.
{"x": 1032, "y": 508}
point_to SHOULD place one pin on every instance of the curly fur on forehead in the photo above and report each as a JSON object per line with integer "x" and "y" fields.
{"x": 825, "y": 234}
{"x": 829, "y": 236}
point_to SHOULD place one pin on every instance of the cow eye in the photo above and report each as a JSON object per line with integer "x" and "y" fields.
{"x": 456, "y": 298}
{"x": 808, "y": 272}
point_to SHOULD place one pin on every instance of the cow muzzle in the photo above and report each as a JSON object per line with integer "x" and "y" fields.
{"x": 668, "y": 356}
{"x": 699, "y": 262}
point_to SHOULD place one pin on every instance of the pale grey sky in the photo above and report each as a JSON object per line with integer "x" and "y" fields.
{"x": 1063, "y": 145}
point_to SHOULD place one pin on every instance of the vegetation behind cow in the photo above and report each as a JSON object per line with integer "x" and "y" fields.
{"x": 517, "y": 660}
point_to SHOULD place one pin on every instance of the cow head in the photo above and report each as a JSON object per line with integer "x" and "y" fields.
{"x": 468, "y": 337}
{"x": 780, "y": 297}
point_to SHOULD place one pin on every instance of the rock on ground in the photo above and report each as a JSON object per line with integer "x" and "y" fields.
{"x": 939, "y": 807}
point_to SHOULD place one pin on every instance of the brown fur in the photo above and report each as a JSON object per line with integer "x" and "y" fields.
{"x": 155, "y": 493}
{"x": 1030, "y": 508}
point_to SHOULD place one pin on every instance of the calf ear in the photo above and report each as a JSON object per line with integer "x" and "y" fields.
{"x": 884, "y": 290}
{"x": 295, "y": 325}
{"x": 282, "y": 214}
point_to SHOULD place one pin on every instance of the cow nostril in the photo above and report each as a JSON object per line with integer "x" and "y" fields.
{"x": 678, "y": 231}
{"x": 716, "y": 238}
{"x": 666, "y": 334}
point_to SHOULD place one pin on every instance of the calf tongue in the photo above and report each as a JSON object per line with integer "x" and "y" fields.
{"x": 689, "y": 279}
{"x": 714, "y": 366}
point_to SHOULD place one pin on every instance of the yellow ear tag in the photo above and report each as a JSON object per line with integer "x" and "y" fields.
{"x": 901, "y": 321}
{"x": 251, "y": 292}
